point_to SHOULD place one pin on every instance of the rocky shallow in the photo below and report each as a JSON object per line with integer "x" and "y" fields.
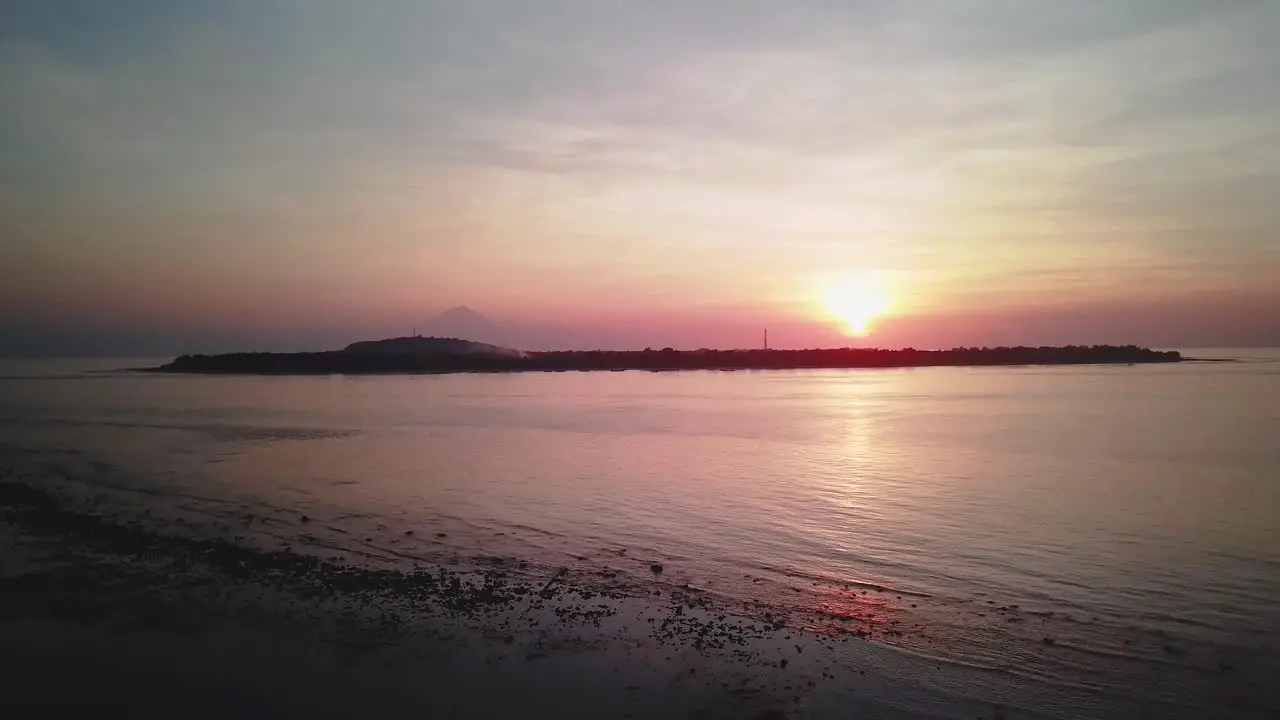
{"x": 672, "y": 654}
{"x": 110, "y": 604}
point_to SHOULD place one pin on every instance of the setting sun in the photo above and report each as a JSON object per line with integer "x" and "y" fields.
{"x": 856, "y": 302}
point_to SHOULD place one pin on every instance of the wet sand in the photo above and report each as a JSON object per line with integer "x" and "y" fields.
{"x": 104, "y": 617}
{"x": 98, "y": 616}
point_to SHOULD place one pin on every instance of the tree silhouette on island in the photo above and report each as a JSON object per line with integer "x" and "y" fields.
{"x": 451, "y": 355}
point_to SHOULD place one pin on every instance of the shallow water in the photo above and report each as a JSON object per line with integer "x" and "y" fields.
{"x": 1100, "y": 532}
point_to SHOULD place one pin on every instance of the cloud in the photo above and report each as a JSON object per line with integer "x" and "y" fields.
{"x": 664, "y": 153}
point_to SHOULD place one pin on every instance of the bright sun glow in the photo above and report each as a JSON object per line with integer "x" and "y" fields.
{"x": 857, "y": 301}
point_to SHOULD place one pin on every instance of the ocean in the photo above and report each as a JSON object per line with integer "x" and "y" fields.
{"x": 1070, "y": 540}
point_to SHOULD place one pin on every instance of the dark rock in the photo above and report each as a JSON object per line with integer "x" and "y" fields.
{"x": 655, "y": 568}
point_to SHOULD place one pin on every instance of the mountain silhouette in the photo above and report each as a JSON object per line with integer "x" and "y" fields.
{"x": 465, "y": 323}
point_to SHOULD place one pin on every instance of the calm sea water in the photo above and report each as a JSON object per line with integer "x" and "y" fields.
{"x": 1104, "y": 531}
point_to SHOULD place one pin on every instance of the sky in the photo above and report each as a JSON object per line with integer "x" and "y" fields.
{"x": 297, "y": 174}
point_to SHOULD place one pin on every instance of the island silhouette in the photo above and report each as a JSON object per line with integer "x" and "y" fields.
{"x": 418, "y": 354}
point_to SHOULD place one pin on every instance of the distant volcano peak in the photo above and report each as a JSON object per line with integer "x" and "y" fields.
{"x": 461, "y": 311}
{"x": 463, "y": 322}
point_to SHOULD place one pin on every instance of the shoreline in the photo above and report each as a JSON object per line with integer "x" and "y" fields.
{"x": 110, "y": 596}
{"x": 103, "y": 602}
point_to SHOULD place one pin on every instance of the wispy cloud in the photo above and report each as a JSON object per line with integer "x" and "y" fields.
{"x": 397, "y": 155}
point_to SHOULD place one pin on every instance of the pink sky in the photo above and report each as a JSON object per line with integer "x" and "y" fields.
{"x": 283, "y": 176}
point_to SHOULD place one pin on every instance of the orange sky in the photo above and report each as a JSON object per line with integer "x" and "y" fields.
{"x": 292, "y": 174}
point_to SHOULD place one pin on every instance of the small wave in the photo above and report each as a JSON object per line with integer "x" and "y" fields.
{"x": 98, "y": 484}
{"x": 837, "y": 581}
{"x": 1162, "y": 617}
{"x": 532, "y": 529}
{"x": 1151, "y": 658}
{"x": 224, "y": 432}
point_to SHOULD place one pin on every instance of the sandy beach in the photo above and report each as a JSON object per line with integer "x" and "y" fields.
{"x": 148, "y": 624}
{"x": 141, "y": 623}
